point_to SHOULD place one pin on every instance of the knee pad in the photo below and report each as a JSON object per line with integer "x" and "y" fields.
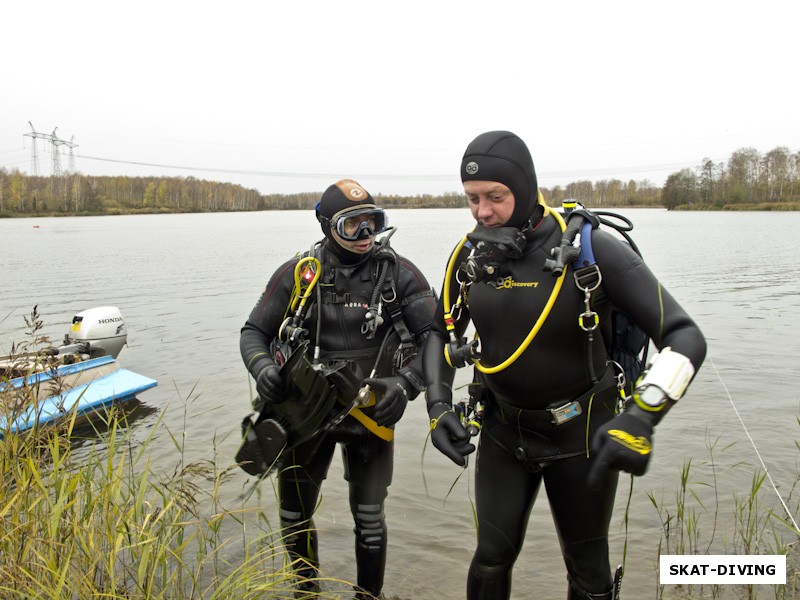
{"x": 588, "y": 568}
{"x": 293, "y": 521}
{"x": 370, "y": 529}
{"x": 299, "y": 537}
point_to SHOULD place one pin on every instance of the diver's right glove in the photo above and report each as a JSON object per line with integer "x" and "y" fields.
{"x": 396, "y": 392}
{"x": 448, "y": 434}
{"x": 269, "y": 385}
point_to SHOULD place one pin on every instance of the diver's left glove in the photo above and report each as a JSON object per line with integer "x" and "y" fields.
{"x": 625, "y": 443}
{"x": 391, "y": 403}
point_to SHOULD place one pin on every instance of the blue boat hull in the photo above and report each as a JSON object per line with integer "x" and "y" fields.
{"x": 98, "y": 383}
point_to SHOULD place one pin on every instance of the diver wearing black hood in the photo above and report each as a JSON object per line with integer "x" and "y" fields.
{"x": 546, "y": 388}
{"x": 501, "y": 156}
{"x": 342, "y": 324}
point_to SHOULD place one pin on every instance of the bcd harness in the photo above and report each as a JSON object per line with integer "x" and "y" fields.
{"x": 628, "y": 346}
{"x": 458, "y": 352}
{"x": 383, "y": 300}
{"x": 322, "y": 395}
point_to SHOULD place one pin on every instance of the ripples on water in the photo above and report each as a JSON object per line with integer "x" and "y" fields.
{"x": 186, "y": 283}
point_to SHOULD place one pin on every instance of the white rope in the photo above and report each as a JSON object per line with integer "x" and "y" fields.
{"x": 766, "y": 471}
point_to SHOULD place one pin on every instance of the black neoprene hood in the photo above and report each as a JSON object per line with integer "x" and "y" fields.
{"x": 344, "y": 195}
{"x": 502, "y": 156}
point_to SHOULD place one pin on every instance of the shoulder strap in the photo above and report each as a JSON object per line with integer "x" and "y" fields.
{"x": 585, "y": 270}
{"x": 629, "y": 343}
{"x": 586, "y": 256}
{"x": 388, "y": 257}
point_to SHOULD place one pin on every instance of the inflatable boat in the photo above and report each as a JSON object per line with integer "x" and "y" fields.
{"x": 80, "y": 377}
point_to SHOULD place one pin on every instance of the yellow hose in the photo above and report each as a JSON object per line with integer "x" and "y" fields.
{"x": 542, "y": 317}
{"x": 300, "y": 296}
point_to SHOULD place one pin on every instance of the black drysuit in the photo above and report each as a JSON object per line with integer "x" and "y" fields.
{"x": 519, "y": 446}
{"x": 346, "y": 291}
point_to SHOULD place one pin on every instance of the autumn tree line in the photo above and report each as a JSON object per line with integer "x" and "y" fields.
{"x": 748, "y": 180}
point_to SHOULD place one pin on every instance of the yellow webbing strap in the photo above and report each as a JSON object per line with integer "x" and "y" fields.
{"x": 382, "y": 432}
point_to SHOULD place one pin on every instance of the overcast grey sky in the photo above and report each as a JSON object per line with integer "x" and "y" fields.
{"x": 289, "y": 96}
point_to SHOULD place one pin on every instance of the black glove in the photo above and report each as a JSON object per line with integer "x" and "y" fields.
{"x": 270, "y": 386}
{"x": 448, "y": 434}
{"x": 623, "y": 444}
{"x": 392, "y": 402}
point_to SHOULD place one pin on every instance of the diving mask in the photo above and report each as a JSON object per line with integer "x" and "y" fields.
{"x": 359, "y": 224}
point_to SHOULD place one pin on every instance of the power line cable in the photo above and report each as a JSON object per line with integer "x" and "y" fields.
{"x": 385, "y": 176}
{"x": 269, "y": 173}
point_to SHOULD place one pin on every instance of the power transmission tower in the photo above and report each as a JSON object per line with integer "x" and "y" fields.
{"x": 56, "y": 143}
{"x": 56, "y": 153}
{"x": 34, "y": 155}
{"x": 71, "y": 145}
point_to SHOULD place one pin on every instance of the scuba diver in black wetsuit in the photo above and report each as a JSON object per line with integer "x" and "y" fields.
{"x": 369, "y": 311}
{"x": 547, "y": 388}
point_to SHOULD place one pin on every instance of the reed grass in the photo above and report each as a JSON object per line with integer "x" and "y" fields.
{"x": 95, "y": 519}
{"x": 107, "y": 525}
{"x": 757, "y": 524}
{"x": 92, "y": 518}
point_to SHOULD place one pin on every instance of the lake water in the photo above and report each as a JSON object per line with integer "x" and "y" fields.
{"x": 186, "y": 283}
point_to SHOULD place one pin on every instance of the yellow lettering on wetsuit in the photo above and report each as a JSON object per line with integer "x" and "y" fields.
{"x": 507, "y": 283}
{"x": 637, "y": 444}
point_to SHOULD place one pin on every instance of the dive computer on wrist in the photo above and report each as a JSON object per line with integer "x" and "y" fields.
{"x": 650, "y": 398}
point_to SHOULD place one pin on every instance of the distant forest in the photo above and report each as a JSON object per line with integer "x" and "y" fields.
{"x": 747, "y": 181}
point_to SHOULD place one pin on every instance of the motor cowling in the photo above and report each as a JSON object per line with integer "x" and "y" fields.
{"x": 101, "y": 328}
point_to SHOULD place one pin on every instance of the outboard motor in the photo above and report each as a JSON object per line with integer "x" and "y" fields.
{"x": 99, "y": 331}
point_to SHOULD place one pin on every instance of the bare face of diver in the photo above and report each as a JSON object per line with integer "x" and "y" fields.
{"x": 490, "y": 202}
{"x": 351, "y": 225}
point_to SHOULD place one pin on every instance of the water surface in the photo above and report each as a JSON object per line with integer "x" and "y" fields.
{"x": 186, "y": 283}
